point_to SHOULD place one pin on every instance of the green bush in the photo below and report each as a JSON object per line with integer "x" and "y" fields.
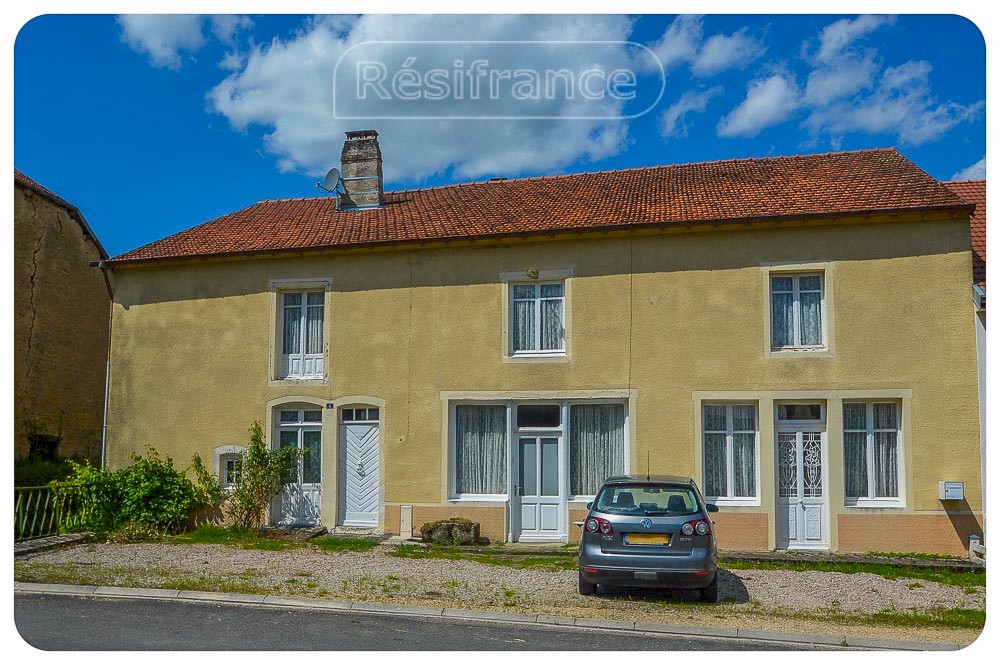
{"x": 259, "y": 479}
{"x": 136, "y": 532}
{"x": 150, "y": 492}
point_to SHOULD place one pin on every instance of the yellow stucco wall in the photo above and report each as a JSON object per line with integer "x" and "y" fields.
{"x": 666, "y": 315}
{"x": 61, "y": 310}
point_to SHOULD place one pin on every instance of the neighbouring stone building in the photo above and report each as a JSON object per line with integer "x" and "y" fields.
{"x": 61, "y": 316}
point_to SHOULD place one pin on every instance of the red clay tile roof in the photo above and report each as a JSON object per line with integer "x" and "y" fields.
{"x": 21, "y": 179}
{"x": 735, "y": 190}
{"x": 974, "y": 191}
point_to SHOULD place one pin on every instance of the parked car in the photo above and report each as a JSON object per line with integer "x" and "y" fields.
{"x": 649, "y": 531}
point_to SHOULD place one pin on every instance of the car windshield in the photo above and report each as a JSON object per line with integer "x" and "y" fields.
{"x": 642, "y": 499}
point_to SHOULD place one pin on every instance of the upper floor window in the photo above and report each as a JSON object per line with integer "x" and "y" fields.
{"x": 301, "y": 323}
{"x": 871, "y": 452}
{"x": 730, "y": 448}
{"x": 797, "y": 311}
{"x": 537, "y": 319}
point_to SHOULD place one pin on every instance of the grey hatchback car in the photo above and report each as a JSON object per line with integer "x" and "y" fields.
{"x": 649, "y": 531}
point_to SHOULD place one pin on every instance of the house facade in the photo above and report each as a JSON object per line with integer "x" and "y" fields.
{"x": 791, "y": 332}
{"x": 61, "y": 315}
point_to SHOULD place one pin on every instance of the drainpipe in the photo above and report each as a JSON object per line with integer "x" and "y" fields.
{"x": 107, "y": 365}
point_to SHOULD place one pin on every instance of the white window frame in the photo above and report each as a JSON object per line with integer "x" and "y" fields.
{"x": 278, "y": 288}
{"x": 225, "y": 481}
{"x": 730, "y": 499}
{"x": 303, "y": 308}
{"x": 563, "y": 432}
{"x": 536, "y": 309}
{"x": 535, "y": 276}
{"x": 872, "y": 501}
{"x": 796, "y": 292}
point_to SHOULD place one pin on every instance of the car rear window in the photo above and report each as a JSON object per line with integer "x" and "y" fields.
{"x": 642, "y": 499}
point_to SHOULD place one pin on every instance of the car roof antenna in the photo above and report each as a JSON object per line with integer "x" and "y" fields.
{"x": 647, "y": 465}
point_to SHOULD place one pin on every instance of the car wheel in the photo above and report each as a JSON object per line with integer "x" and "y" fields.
{"x": 710, "y": 594}
{"x": 585, "y": 587}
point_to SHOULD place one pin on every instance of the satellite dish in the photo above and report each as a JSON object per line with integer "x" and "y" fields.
{"x": 331, "y": 182}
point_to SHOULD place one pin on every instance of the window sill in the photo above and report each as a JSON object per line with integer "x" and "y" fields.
{"x": 536, "y": 357}
{"x": 799, "y": 352}
{"x": 723, "y": 502}
{"x": 478, "y": 498}
{"x": 300, "y": 381}
{"x": 874, "y": 503}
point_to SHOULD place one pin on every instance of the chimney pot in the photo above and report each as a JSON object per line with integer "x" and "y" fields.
{"x": 361, "y": 170}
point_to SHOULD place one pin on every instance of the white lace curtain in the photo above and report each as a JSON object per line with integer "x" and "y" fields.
{"x": 883, "y": 436}
{"x": 597, "y": 445}
{"x": 784, "y": 305}
{"x": 541, "y": 302}
{"x": 481, "y": 449}
{"x": 742, "y": 437}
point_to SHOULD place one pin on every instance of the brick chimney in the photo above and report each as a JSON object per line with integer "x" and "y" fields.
{"x": 361, "y": 170}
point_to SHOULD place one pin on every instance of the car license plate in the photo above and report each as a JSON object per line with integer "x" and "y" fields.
{"x": 647, "y": 539}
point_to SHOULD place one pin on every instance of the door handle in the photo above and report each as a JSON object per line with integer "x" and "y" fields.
{"x": 517, "y": 490}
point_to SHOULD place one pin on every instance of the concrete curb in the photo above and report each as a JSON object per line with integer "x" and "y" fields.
{"x": 477, "y": 615}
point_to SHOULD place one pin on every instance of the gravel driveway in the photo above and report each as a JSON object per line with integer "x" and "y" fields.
{"x": 376, "y": 576}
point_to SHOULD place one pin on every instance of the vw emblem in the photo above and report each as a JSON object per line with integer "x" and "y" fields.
{"x": 646, "y": 523}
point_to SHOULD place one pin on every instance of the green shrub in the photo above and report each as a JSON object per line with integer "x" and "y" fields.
{"x": 151, "y": 492}
{"x": 259, "y": 479}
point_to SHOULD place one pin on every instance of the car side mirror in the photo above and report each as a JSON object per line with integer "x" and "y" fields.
{"x": 590, "y": 504}
{"x": 711, "y": 507}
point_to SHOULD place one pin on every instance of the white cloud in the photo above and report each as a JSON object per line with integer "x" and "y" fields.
{"x": 162, "y": 37}
{"x": 901, "y": 104}
{"x": 839, "y": 35}
{"x": 165, "y": 37}
{"x": 285, "y": 87}
{"x": 975, "y": 171}
{"x": 672, "y": 120}
{"x": 721, "y": 52}
{"x": 769, "y": 101}
{"x": 679, "y": 42}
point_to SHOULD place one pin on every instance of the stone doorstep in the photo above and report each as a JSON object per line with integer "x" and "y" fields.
{"x": 479, "y": 615}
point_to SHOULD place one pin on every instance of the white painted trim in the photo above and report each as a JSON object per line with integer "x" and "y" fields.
{"x": 506, "y": 279}
{"x": 275, "y": 288}
{"x": 219, "y": 452}
{"x": 826, "y": 269}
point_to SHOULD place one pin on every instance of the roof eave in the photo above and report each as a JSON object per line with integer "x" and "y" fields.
{"x": 116, "y": 262}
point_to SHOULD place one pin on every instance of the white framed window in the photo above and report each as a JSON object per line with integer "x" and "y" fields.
{"x": 229, "y": 470}
{"x": 596, "y": 446}
{"x": 730, "y": 437}
{"x": 798, "y": 311}
{"x": 537, "y": 318}
{"x": 872, "y": 453}
{"x": 480, "y": 460}
{"x": 301, "y": 429}
{"x": 301, "y": 334}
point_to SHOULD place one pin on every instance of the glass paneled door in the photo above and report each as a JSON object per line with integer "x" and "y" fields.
{"x": 802, "y": 494}
{"x": 299, "y": 500}
{"x": 535, "y": 501}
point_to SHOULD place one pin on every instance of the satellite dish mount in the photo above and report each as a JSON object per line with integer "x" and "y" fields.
{"x": 332, "y": 182}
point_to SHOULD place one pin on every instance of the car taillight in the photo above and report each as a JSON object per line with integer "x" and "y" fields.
{"x": 598, "y": 525}
{"x": 701, "y": 527}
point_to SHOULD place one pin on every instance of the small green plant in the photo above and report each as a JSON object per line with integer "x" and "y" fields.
{"x": 136, "y": 532}
{"x": 262, "y": 470}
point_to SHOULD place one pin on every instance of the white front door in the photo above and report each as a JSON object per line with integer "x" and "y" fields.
{"x": 802, "y": 496}
{"x": 535, "y": 501}
{"x": 359, "y": 467}
{"x": 299, "y": 500}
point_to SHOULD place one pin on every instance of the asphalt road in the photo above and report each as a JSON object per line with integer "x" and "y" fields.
{"x": 57, "y": 623}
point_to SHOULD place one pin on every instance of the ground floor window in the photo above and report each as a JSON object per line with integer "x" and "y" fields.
{"x": 729, "y": 434}
{"x": 871, "y": 451}
{"x": 480, "y": 449}
{"x": 229, "y": 470}
{"x": 596, "y": 446}
{"x": 592, "y": 434}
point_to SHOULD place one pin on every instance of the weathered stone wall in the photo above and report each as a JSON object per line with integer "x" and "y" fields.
{"x": 61, "y": 310}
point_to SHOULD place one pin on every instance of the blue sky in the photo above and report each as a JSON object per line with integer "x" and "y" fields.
{"x": 152, "y": 124}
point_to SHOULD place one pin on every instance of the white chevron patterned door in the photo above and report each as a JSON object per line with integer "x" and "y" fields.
{"x": 359, "y": 467}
